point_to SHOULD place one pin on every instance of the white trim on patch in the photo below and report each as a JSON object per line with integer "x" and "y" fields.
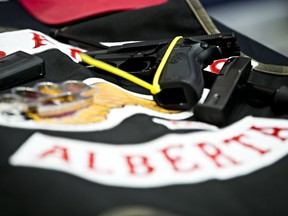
{"x": 242, "y": 148}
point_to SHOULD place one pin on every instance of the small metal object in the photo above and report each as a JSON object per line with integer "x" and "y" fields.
{"x": 11, "y": 98}
{"x": 48, "y": 88}
{"x": 48, "y": 99}
{"x": 12, "y": 104}
{"x": 75, "y": 86}
{"x": 26, "y": 92}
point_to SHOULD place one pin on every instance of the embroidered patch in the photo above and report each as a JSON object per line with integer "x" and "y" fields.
{"x": 188, "y": 125}
{"x": 111, "y": 106}
{"x": 32, "y": 42}
{"x": 242, "y": 148}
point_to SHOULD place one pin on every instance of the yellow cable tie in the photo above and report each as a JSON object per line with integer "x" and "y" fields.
{"x": 163, "y": 63}
{"x": 107, "y": 67}
{"x": 154, "y": 88}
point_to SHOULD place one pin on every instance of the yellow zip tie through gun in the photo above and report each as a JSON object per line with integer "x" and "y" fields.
{"x": 175, "y": 67}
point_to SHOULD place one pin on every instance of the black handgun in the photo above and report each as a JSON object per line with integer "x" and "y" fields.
{"x": 225, "y": 91}
{"x": 20, "y": 67}
{"x": 231, "y": 86}
{"x": 181, "y": 81}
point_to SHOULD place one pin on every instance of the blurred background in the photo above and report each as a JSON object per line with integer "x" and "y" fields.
{"x": 265, "y": 21}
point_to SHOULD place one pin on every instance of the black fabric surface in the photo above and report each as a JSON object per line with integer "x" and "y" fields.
{"x": 163, "y": 21}
{"x": 31, "y": 191}
{"x": 12, "y": 15}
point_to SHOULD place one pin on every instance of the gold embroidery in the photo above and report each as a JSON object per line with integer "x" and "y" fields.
{"x": 108, "y": 97}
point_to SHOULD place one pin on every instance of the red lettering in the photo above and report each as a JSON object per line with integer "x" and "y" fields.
{"x": 39, "y": 40}
{"x": 2, "y": 54}
{"x": 74, "y": 52}
{"x": 174, "y": 122}
{"x": 174, "y": 161}
{"x": 139, "y": 165}
{"x": 217, "y": 65}
{"x": 61, "y": 151}
{"x": 215, "y": 154}
{"x": 275, "y": 132}
{"x": 92, "y": 164}
{"x": 182, "y": 123}
{"x": 237, "y": 139}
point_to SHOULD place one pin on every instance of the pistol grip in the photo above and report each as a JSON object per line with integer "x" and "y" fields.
{"x": 224, "y": 92}
{"x": 181, "y": 81}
